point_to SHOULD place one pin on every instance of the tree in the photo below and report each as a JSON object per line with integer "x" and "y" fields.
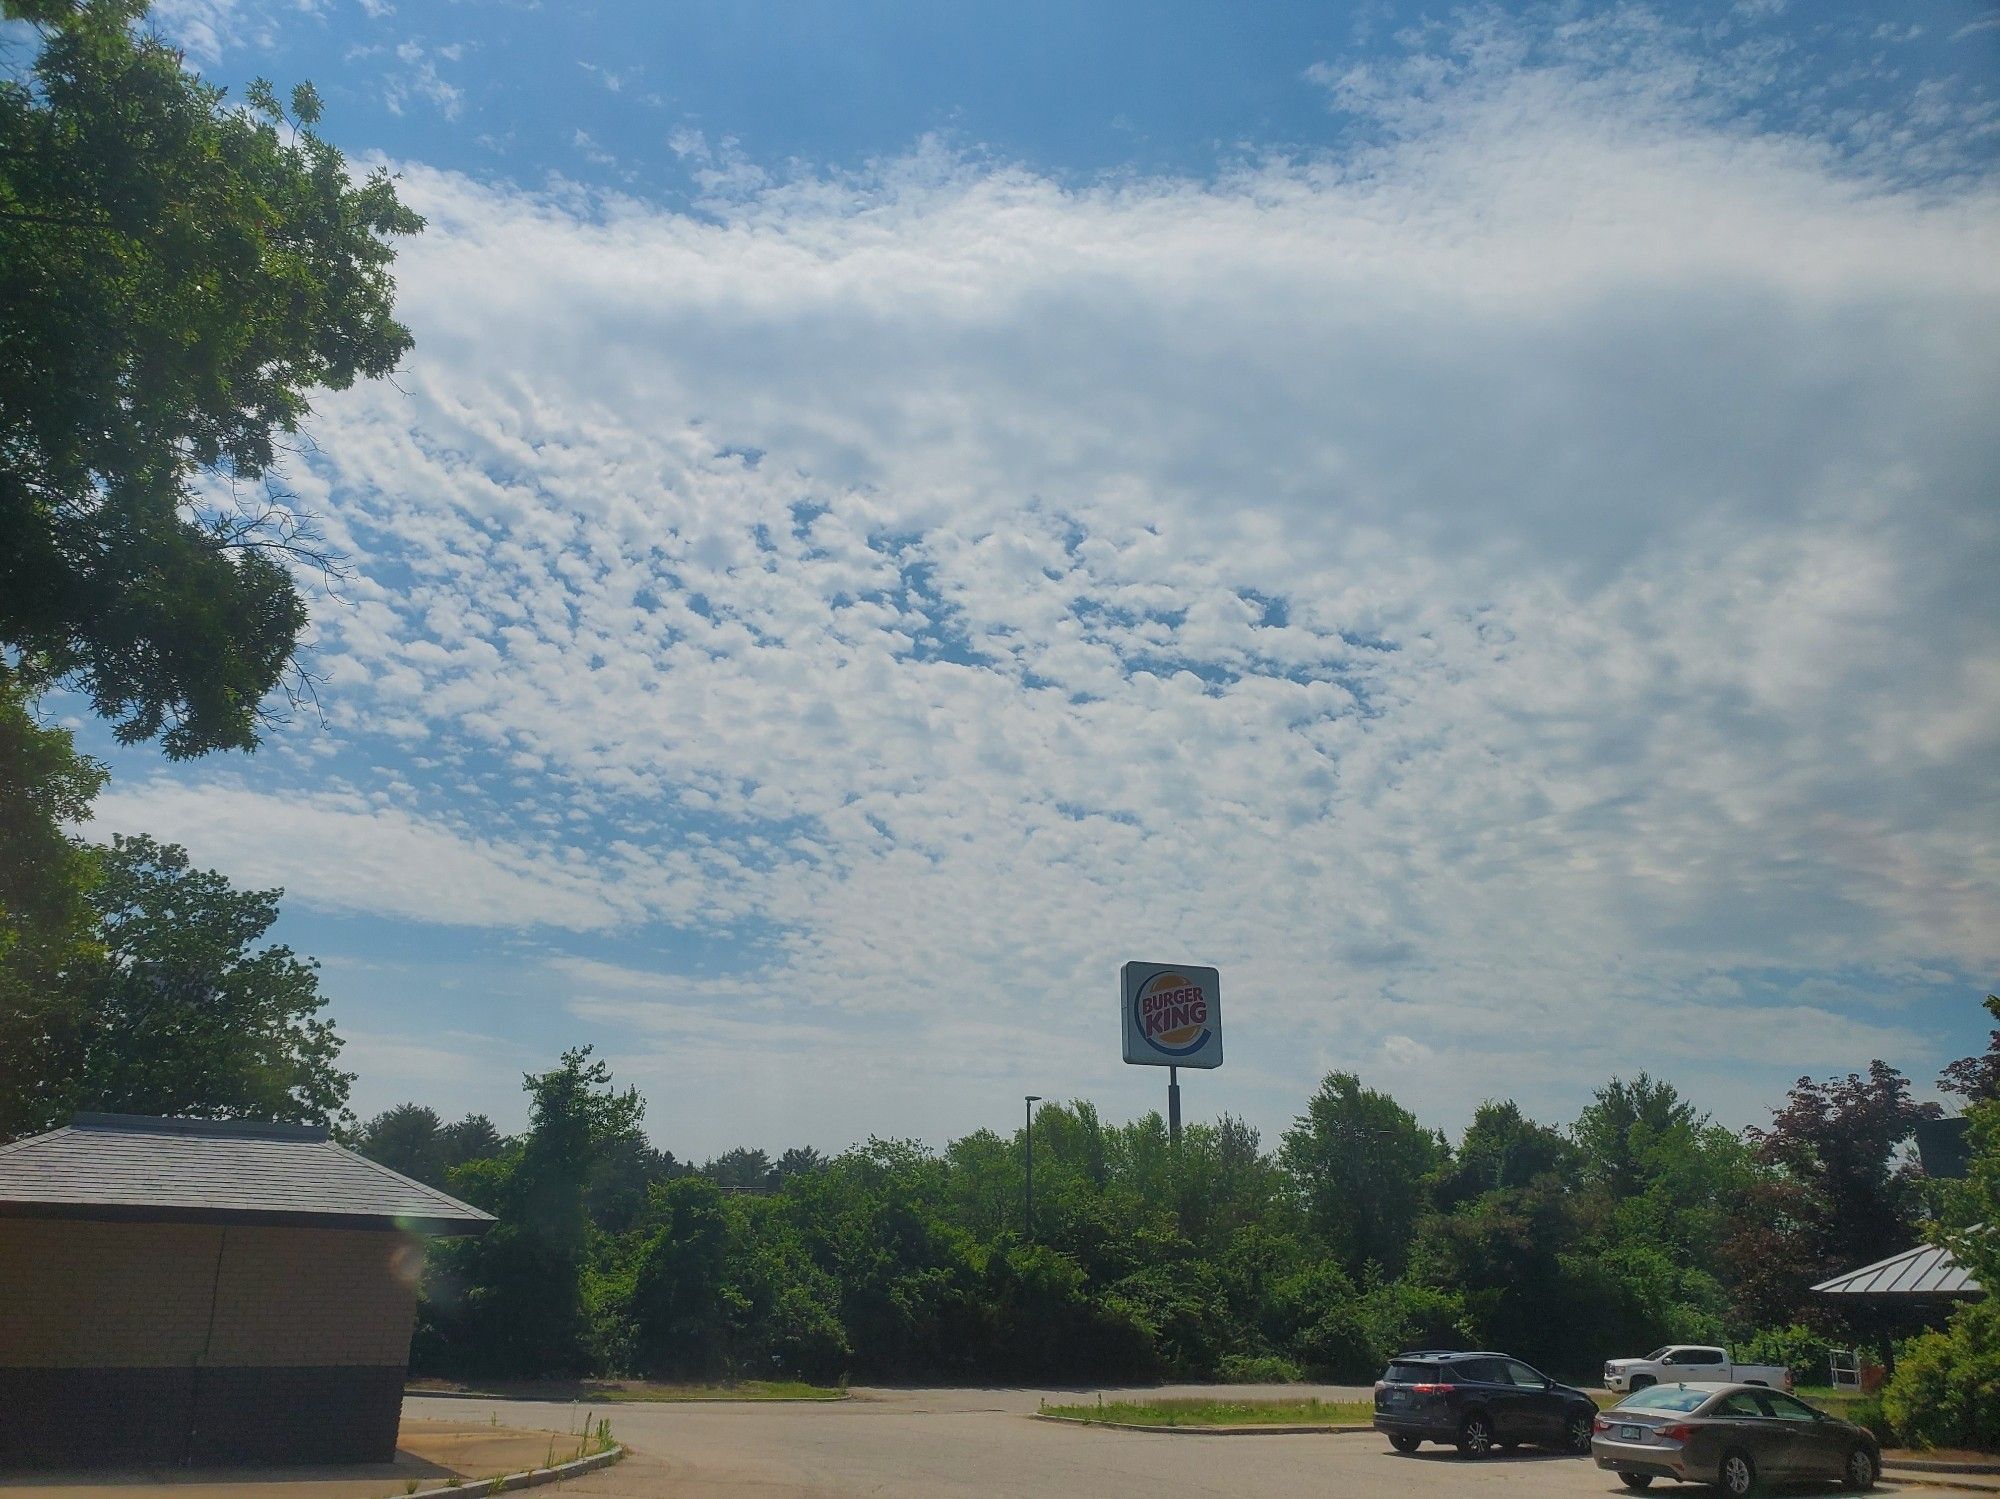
{"x": 512, "y": 1301}
{"x": 176, "y": 273}
{"x": 46, "y": 925}
{"x": 1977, "y": 1079}
{"x": 408, "y": 1138}
{"x": 182, "y": 1012}
{"x": 1361, "y": 1162}
{"x": 1613, "y": 1135}
{"x": 1503, "y": 1148}
{"x": 1840, "y": 1194}
{"x": 685, "y": 1308}
{"x": 627, "y": 1168}
{"x": 741, "y": 1167}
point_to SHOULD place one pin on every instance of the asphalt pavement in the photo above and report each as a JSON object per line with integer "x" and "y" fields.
{"x": 923, "y": 1443}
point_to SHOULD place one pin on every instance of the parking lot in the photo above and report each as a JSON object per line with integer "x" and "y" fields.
{"x": 907, "y": 1444}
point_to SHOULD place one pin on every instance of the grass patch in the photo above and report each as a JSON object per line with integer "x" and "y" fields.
{"x": 629, "y": 1390}
{"x": 1220, "y": 1412}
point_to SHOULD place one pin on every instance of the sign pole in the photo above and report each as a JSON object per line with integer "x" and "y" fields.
{"x": 1172, "y": 1018}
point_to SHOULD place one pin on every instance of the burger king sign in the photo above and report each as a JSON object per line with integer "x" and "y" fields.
{"x": 1173, "y": 1015}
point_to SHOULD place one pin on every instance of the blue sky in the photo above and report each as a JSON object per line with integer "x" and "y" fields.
{"x": 1478, "y": 522}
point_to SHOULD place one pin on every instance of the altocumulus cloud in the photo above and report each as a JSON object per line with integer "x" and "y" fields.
{"x": 1519, "y": 581}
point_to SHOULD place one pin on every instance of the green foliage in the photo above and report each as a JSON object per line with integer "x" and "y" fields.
{"x": 686, "y": 1308}
{"x": 1807, "y": 1352}
{"x": 517, "y": 1298}
{"x": 412, "y": 1139}
{"x": 1977, "y": 1079}
{"x": 179, "y": 1011}
{"x": 894, "y": 1262}
{"x": 1946, "y": 1388}
{"x": 1360, "y": 1161}
{"x": 1258, "y": 1368}
{"x": 47, "y": 933}
{"x": 176, "y": 274}
{"x": 1968, "y": 1213}
{"x": 1502, "y": 1148}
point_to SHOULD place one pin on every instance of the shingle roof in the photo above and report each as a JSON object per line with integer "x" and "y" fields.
{"x": 210, "y": 1170}
{"x": 1926, "y": 1272}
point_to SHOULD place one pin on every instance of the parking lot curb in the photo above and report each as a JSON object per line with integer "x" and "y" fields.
{"x": 528, "y": 1478}
{"x": 607, "y": 1401}
{"x": 1204, "y": 1431}
{"x": 1924, "y": 1471}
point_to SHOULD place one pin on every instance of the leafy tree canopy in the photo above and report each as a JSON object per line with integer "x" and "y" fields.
{"x": 182, "y": 1012}
{"x": 1361, "y": 1162}
{"x": 175, "y": 275}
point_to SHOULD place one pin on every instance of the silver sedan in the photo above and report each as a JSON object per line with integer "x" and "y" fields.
{"x": 1734, "y": 1436}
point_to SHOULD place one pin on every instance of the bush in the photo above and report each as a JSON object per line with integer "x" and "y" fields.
{"x": 1946, "y": 1390}
{"x": 1808, "y": 1354}
{"x": 1867, "y": 1412}
{"x": 1258, "y": 1368}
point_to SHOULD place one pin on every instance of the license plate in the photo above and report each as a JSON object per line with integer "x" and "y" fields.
{"x": 1399, "y": 1397}
{"x": 1631, "y": 1433}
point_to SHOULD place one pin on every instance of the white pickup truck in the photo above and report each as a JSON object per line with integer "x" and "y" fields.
{"x": 1690, "y": 1363}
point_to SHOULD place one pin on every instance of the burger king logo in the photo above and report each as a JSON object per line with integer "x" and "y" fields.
{"x": 1171, "y": 1011}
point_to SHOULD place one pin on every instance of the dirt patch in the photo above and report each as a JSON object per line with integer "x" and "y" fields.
{"x": 429, "y": 1454}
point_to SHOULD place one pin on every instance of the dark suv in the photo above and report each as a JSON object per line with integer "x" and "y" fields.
{"x": 1478, "y": 1401}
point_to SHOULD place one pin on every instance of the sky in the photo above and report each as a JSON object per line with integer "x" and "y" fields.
{"x": 1478, "y": 522}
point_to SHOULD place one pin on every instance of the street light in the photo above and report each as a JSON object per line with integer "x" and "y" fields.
{"x": 1033, "y": 1099}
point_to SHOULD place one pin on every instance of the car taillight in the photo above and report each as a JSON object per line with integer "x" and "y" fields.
{"x": 1677, "y": 1433}
{"x": 1430, "y": 1389}
{"x": 1600, "y": 1424}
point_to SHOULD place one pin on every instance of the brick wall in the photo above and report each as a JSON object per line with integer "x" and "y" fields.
{"x": 169, "y": 1342}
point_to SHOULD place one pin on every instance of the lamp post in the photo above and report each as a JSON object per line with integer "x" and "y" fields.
{"x": 1032, "y": 1100}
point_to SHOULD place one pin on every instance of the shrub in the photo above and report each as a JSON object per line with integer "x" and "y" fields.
{"x": 1808, "y": 1354}
{"x": 1946, "y": 1390}
{"x": 1258, "y": 1368}
{"x": 1867, "y": 1412}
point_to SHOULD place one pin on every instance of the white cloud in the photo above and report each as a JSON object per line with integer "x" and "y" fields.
{"x": 418, "y": 79}
{"x": 342, "y": 852}
{"x": 1504, "y": 596}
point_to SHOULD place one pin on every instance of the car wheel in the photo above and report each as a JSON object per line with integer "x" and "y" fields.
{"x": 1577, "y": 1430}
{"x": 1862, "y": 1470}
{"x": 1642, "y": 1382}
{"x": 1739, "y": 1475}
{"x": 1475, "y": 1436}
{"x": 1636, "y": 1482}
{"x": 1406, "y": 1444}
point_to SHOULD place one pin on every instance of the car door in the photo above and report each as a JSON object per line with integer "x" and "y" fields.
{"x": 1541, "y": 1407}
{"x": 1748, "y": 1425}
{"x": 1812, "y": 1449}
{"x": 1701, "y": 1365}
{"x": 1492, "y": 1389}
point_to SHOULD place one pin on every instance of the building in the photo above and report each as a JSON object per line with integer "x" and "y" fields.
{"x": 203, "y": 1292}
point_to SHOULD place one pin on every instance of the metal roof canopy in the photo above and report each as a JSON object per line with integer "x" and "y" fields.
{"x": 1926, "y": 1273}
{"x": 138, "y": 1168}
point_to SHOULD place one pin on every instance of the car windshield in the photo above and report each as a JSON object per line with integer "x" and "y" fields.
{"x": 1659, "y": 1353}
{"x": 1413, "y": 1373}
{"x": 1662, "y": 1397}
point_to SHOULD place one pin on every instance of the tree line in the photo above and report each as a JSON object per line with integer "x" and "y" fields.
{"x": 1362, "y": 1233}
